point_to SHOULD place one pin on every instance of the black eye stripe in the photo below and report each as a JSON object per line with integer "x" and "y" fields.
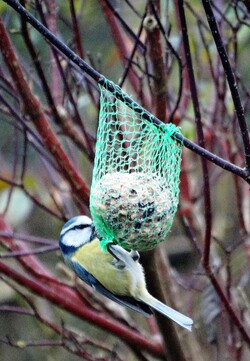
{"x": 81, "y": 226}
{"x": 74, "y": 228}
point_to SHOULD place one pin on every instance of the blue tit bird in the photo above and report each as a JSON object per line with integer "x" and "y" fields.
{"x": 117, "y": 274}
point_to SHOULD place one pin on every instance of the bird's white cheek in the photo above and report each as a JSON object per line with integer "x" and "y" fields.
{"x": 75, "y": 238}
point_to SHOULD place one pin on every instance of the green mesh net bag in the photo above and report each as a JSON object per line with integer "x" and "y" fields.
{"x": 135, "y": 187}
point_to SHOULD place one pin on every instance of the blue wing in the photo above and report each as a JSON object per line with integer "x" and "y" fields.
{"x": 127, "y": 301}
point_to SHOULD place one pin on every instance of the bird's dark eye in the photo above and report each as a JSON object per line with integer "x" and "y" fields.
{"x": 81, "y": 226}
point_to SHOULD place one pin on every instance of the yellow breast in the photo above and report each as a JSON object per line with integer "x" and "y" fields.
{"x": 99, "y": 264}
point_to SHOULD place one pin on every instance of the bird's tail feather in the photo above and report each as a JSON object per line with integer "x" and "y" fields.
{"x": 169, "y": 312}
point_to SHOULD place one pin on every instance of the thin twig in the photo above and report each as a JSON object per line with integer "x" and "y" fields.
{"x": 130, "y": 60}
{"x": 199, "y": 126}
{"x": 126, "y": 27}
{"x": 230, "y": 79}
{"x": 26, "y": 238}
{"x": 40, "y": 250}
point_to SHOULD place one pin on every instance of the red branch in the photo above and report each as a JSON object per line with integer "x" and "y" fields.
{"x": 54, "y": 71}
{"x": 156, "y": 58}
{"x": 44, "y": 284}
{"x": 79, "y": 46}
{"x": 120, "y": 43}
{"x": 34, "y": 267}
{"x": 33, "y": 108}
{"x": 129, "y": 336}
{"x": 227, "y": 305}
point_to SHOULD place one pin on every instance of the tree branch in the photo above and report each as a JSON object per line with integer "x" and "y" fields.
{"x": 241, "y": 172}
{"x": 34, "y": 109}
{"x": 199, "y": 126}
{"x": 129, "y": 336}
{"x": 232, "y": 82}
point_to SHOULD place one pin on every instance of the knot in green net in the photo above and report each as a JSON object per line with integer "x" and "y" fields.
{"x": 135, "y": 187}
